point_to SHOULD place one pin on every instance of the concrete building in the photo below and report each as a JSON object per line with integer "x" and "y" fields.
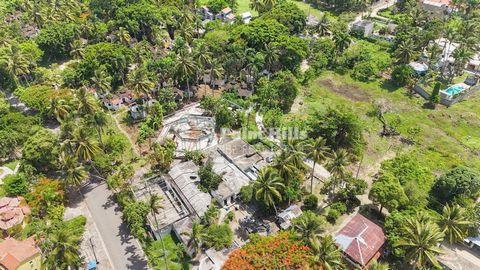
{"x": 285, "y": 217}
{"x": 20, "y": 255}
{"x": 437, "y": 8}
{"x": 238, "y": 163}
{"x": 185, "y": 181}
{"x": 363, "y": 27}
{"x": 246, "y": 17}
{"x": 361, "y": 241}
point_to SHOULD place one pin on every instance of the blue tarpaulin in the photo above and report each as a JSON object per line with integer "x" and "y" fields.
{"x": 92, "y": 265}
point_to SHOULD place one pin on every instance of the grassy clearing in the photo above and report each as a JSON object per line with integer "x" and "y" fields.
{"x": 11, "y": 165}
{"x": 174, "y": 262}
{"x": 244, "y": 6}
{"x": 447, "y": 136}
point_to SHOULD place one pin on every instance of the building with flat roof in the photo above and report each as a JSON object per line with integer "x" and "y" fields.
{"x": 20, "y": 255}
{"x": 437, "y": 8}
{"x": 185, "y": 180}
{"x": 285, "y": 217}
{"x": 363, "y": 27}
{"x": 361, "y": 241}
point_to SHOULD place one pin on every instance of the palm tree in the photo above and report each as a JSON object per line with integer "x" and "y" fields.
{"x": 272, "y": 54}
{"x": 76, "y": 49}
{"x": 268, "y": 187}
{"x": 420, "y": 242}
{"x": 59, "y": 109}
{"x": 285, "y": 167}
{"x": 15, "y": 62}
{"x": 454, "y": 223}
{"x": 323, "y": 26}
{"x": 257, "y": 5}
{"x": 37, "y": 12}
{"x": 99, "y": 122}
{"x": 155, "y": 204}
{"x": 379, "y": 266}
{"x": 337, "y": 166}
{"x": 461, "y": 55}
{"x": 185, "y": 68}
{"x": 83, "y": 146}
{"x": 342, "y": 41}
{"x": 269, "y": 4}
{"x": 196, "y": 236}
{"x": 72, "y": 171}
{"x": 317, "y": 150}
{"x": 405, "y": 51}
{"x": 86, "y": 103}
{"x": 216, "y": 72}
{"x": 326, "y": 254}
{"x": 123, "y": 36}
{"x": 139, "y": 81}
{"x": 101, "y": 81}
{"x": 308, "y": 227}
{"x": 62, "y": 250}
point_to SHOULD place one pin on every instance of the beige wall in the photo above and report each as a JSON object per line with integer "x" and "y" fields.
{"x": 34, "y": 263}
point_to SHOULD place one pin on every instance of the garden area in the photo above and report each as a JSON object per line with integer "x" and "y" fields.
{"x": 174, "y": 254}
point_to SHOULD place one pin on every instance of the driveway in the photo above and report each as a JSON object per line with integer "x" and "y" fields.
{"x": 123, "y": 250}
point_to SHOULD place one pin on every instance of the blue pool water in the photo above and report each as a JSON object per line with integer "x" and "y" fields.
{"x": 454, "y": 89}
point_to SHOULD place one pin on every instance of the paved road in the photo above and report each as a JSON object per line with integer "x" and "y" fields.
{"x": 123, "y": 250}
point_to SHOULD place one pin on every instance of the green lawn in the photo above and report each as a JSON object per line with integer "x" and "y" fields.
{"x": 244, "y": 6}
{"x": 174, "y": 262}
{"x": 447, "y": 136}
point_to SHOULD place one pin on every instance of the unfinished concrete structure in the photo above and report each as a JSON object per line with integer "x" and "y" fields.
{"x": 193, "y": 132}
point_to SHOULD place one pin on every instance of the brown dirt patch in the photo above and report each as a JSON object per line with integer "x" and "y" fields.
{"x": 205, "y": 90}
{"x": 351, "y": 92}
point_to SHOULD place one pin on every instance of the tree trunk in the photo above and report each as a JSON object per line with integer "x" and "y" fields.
{"x": 311, "y": 177}
{"x": 381, "y": 208}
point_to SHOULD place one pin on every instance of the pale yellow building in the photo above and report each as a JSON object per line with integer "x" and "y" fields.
{"x": 20, "y": 255}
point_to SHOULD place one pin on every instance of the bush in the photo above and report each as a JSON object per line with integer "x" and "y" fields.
{"x": 218, "y": 236}
{"x": 208, "y": 179}
{"x": 332, "y": 215}
{"x": 15, "y": 185}
{"x": 230, "y": 216}
{"x": 340, "y": 207}
{"x": 403, "y": 75}
{"x": 246, "y": 193}
{"x": 310, "y": 202}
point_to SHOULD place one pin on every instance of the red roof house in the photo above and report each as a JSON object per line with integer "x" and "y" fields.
{"x": 361, "y": 241}
{"x": 16, "y": 254}
{"x": 13, "y": 211}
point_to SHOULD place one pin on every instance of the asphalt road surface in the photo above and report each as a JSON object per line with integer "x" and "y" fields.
{"x": 123, "y": 250}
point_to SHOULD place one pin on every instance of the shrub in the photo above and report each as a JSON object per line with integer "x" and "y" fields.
{"x": 218, "y": 236}
{"x": 230, "y": 216}
{"x": 340, "y": 207}
{"x": 15, "y": 185}
{"x": 246, "y": 193}
{"x": 310, "y": 202}
{"x": 332, "y": 215}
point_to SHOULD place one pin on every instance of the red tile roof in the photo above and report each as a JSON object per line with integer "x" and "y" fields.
{"x": 12, "y": 211}
{"x": 13, "y": 252}
{"x": 360, "y": 239}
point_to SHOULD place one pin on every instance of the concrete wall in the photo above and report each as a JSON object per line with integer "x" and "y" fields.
{"x": 447, "y": 102}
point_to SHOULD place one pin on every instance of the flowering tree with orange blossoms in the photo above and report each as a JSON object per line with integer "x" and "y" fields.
{"x": 271, "y": 252}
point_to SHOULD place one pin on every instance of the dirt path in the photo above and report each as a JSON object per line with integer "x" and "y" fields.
{"x": 119, "y": 126}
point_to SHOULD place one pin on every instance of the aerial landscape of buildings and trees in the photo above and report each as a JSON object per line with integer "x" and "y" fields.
{"x": 240, "y": 134}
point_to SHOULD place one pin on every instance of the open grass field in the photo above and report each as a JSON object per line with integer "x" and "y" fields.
{"x": 446, "y": 136}
{"x": 244, "y": 6}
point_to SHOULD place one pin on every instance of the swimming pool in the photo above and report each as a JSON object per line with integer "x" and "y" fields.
{"x": 455, "y": 89}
